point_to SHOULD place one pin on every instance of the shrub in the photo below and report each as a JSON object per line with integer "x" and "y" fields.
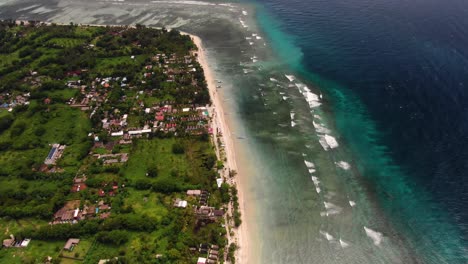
{"x": 116, "y": 237}
{"x": 153, "y": 171}
{"x": 178, "y": 148}
{"x": 5, "y": 122}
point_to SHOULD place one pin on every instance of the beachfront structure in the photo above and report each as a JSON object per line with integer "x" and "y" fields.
{"x": 208, "y": 213}
{"x": 54, "y": 154}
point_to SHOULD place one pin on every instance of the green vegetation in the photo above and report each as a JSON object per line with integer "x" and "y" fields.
{"x": 235, "y": 201}
{"x": 102, "y": 127}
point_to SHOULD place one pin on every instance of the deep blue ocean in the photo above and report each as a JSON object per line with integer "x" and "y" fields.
{"x": 396, "y": 76}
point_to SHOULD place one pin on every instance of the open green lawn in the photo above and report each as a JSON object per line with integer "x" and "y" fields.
{"x": 146, "y": 202}
{"x": 36, "y": 252}
{"x": 79, "y": 251}
{"x": 155, "y": 152}
{"x": 67, "y": 42}
{"x": 64, "y": 94}
{"x": 104, "y": 64}
{"x": 12, "y": 226}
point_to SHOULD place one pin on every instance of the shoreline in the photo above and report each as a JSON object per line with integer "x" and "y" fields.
{"x": 219, "y": 123}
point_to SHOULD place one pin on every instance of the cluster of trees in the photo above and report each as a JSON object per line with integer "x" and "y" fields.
{"x": 5, "y": 122}
{"x": 162, "y": 185}
{"x": 235, "y": 203}
{"x": 116, "y": 237}
{"x": 33, "y": 200}
{"x": 130, "y": 222}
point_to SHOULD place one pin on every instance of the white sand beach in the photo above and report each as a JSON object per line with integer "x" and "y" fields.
{"x": 220, "y": 124}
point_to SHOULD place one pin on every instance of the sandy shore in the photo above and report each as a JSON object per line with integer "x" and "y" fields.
{"x": 220, "y": 124}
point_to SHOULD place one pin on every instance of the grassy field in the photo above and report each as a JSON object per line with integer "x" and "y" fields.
{"x": 79, "y": 251}
{"x": 67, "y": 42}
{"x": 147, "y": 202}
{"x": 157, "y": 152}
{"x": 36, "y": 252}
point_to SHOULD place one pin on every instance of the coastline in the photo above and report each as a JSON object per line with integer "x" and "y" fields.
{"x": 219, "y": 124}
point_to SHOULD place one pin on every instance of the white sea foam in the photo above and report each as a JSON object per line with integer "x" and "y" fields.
{"x": 320, "y": 128}
{"x": 311, "y": 171}
{"x": 315, "y": 180}
{"x": 258, "y": 37}
{"x": 311, "y": 98}
{"x": 27, "y": 8}
{"x": 285, "y": 98}
{"x": 290, "y": 77}
{"x": 330, "y": 195}
{"x": 323, "y": 143}
{"x": 41, "y": 10}
{"x": 292, "y": 114}
{"x": 352, "y": 203}
{"x": 244, "y": 12}
{"x": 293, "y": 124}
{"x": 374, "y": 235}
{"x": 343, "y": 243}
{"x": 331, "y": 141}
{"x": 251, "y": 43}
{"x": 318, "y": 117}
{"x": 332, "y": 209}
{"x": 186, "y": 2}
{"x": 343, "y": 164}
{"x": 309, "y": 164}
{"x": 327, "y": 235}
{"x": 273, "y": 80}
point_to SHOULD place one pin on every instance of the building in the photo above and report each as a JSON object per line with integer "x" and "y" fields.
{"x": 71, "y": 243}
{"x": 180, "y": 203}
{"x": 64, "y": 215}
{"x": 207, "y": 213}
{"x": 10, "y": 242}
{"x": 194, "y": 192}
{"x": 104, "y": 215}
{"x": 54, "y": 154}
{"x": 68, "y": 213}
